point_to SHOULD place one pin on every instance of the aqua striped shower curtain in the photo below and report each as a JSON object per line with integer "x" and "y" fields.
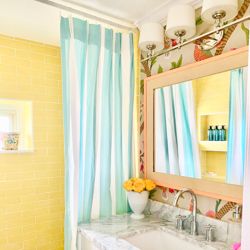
{"x": 98, "y": 94}
{"x": 176, "y": 139}
{"x": 236, "y": 149}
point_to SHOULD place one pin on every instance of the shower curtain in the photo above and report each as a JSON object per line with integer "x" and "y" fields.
{"x": 245, "y": 242}
{"x": 98, "y": 70}
{"x": 177, "y": 150}
{"x": 236, "y": 150}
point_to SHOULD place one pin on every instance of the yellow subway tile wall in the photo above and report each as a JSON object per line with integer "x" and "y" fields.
{"x": 32, "y": 184}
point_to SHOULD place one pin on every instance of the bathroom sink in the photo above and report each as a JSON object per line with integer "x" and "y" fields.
{"x": 161, "y": 241}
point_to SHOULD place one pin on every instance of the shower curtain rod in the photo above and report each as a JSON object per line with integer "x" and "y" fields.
{"x": 89, "y": 13}
{"x": 166, "y": 51}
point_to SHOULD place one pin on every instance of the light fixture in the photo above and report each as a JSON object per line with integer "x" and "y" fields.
{"x": 181, "y": 26}
{"x": 216, "y": 11}
{"x": 181, "y": 22}
{"x": 151, "y": 37}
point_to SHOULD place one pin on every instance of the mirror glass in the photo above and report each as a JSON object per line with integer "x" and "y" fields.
{"x": 16, "y": 129}
{"x": 199, "y": 127}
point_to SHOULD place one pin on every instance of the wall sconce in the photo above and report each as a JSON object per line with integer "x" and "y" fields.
{"x": 151, "y": 37}
{"x": 181, "y": 22}
{"x": 216, "y": 11}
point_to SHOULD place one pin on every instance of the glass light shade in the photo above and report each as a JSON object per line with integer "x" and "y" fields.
{"x": 181, "y": 17}
{"x": 210, "y": 7}
{"x": 151, "y": 34}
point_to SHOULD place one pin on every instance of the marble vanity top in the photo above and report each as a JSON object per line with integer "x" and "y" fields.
{"x": 110, "y": 234}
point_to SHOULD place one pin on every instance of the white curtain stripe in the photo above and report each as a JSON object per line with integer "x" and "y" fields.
{"x": 113, "y": 167}
{"x": 96, "y": 198}
{"x": 125, "y": 55}
{"x": 75, "y": 115}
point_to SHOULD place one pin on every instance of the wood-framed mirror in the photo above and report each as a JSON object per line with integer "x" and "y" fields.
{"x": 187, "y": 111}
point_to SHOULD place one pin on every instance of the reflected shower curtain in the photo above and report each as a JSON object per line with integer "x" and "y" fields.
{"x": 237, "y": 127}
{"x": 177, "y": 150}
{"x": 98, "y": 104}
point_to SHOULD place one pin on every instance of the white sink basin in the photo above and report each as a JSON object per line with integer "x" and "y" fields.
{"x": 161, "y": 241}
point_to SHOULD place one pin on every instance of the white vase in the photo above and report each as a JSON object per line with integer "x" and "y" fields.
{"x": 138, "y": 202}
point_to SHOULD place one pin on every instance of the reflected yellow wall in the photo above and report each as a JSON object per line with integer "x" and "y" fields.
{"x": 212, "y": 107}
{"x": 32, "y": 185}
{"x": 212, "y": 93}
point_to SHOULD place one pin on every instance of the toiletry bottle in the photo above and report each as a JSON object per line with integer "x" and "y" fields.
{"x": 215, "y": 133}
{"x": 220, "y": 136}
{"x": 210, "y": 133}
{"x": 223, "y": 133}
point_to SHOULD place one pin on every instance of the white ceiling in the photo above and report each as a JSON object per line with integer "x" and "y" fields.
{"x": 30, "y": 20}
{"x": 134, "y": 11}
{"x": 129, "y": 10}
{"x": 37, "y": 21}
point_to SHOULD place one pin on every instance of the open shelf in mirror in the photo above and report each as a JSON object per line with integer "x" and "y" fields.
{"x": 211, "y": 120}
{"x": 217, "y": 146}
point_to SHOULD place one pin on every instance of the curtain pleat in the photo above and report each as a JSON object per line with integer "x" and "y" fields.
{"x": 245, "y": 243}
{"x": 65, "y": 38}
{"x": 131, "y": 106}
{"x": 98, "y": 105}
{"x": 106, "y": 132}
{"x": 177, "y": 150}
{"x": 119, "y": 173}
{"x": 80, "y": 40}
{"x": 188, "y": 149}
{"x": 94, "y": 43}
{"x": 236, "y": 149}
{"x": 162, "y": 156}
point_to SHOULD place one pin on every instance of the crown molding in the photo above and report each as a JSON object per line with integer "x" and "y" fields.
{"x": 159, "y": 14}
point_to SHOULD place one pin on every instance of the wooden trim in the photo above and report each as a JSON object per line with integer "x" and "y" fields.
{"x": 214, "y": 65}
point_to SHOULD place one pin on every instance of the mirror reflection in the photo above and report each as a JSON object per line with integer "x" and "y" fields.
{"x": 16, "y": 132}
{"x": 199, "y": 127}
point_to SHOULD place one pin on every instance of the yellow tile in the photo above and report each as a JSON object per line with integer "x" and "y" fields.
{"x": 12, "y": 246}
{"x": 53, "y": 60}
{"x": 5, "y": 51}
{"x": 31, "y": 185}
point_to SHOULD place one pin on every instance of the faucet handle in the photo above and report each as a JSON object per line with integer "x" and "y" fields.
{"x": 237, "y": 212}
{"x": 209, "y": 232}
{"x": 180, "y": 222}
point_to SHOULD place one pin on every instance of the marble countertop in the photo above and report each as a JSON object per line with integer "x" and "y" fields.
{"x": 110, "y": 234}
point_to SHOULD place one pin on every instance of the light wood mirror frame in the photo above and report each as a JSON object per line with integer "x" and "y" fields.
{"x": 225, "y": 62}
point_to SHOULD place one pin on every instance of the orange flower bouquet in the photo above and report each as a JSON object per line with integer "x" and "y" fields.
{"x": 138, "y": 193}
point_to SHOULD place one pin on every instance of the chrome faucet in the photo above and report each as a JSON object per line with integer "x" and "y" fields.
{"x": 193, "y": 229}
